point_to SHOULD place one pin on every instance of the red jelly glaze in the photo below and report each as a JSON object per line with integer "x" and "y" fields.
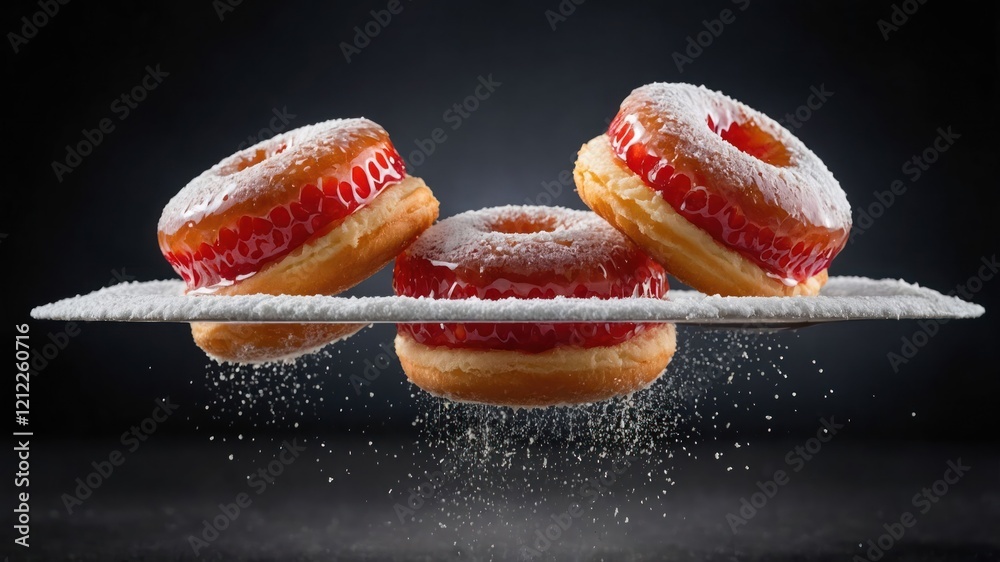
{"x": 785, "y": 249}
{"x": 625, "y": 275}
{"x": 249, "y": 243}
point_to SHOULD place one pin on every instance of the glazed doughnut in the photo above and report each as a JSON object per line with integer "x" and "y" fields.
{"x": 312, "y": 211}
{"x": 723, "y": 196}
{"x": 530, "y": 252}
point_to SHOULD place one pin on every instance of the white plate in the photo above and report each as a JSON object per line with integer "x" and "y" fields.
{"x": 842, "y": 299}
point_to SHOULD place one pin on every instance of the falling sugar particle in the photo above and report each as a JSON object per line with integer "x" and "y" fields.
{"x": 505, "y": 462}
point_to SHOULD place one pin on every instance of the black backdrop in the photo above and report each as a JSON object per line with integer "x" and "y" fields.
{"x": 226, "y": 76}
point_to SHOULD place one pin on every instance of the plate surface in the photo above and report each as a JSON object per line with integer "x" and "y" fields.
{"x": 842, "y": 299}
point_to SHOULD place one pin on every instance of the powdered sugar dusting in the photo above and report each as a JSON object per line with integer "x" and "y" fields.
{"x": 843, "y": 298}
{"x": 805, "y": 189}
{"x": 225, "y": 184}
{"x": 569, "y": 238}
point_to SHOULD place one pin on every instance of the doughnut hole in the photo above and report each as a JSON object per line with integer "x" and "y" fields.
{"x": 748, "y": 137}
{"x": 252, "y": 159}
{"x": 524, "y": 225}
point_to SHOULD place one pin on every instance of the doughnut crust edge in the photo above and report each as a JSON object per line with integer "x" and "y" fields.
{"x": 689, "y": 253}
{"x": 562, "y": 375}
{"x": 349, "y": 253}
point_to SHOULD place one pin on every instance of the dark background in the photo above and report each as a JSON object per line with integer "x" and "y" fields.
{"x": 558, "y": 87}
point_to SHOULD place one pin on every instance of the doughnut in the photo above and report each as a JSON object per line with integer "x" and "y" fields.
{"x": 530, "y": 253}
{"x": 728, "y": 200}
{"x": 312, "y": 211}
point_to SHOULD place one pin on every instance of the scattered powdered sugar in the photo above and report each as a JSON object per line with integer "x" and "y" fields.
{"x": 843, "y": 298}
{"x": 225, "y": 184}
{"x": 486, "y": 478}
{"x": 805, "y": 189}
{"x": 504, "y": 470}
{"x": 262, "y": 403}
{"x": 489, "y": 478}
{"x": 276, "y": 395}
